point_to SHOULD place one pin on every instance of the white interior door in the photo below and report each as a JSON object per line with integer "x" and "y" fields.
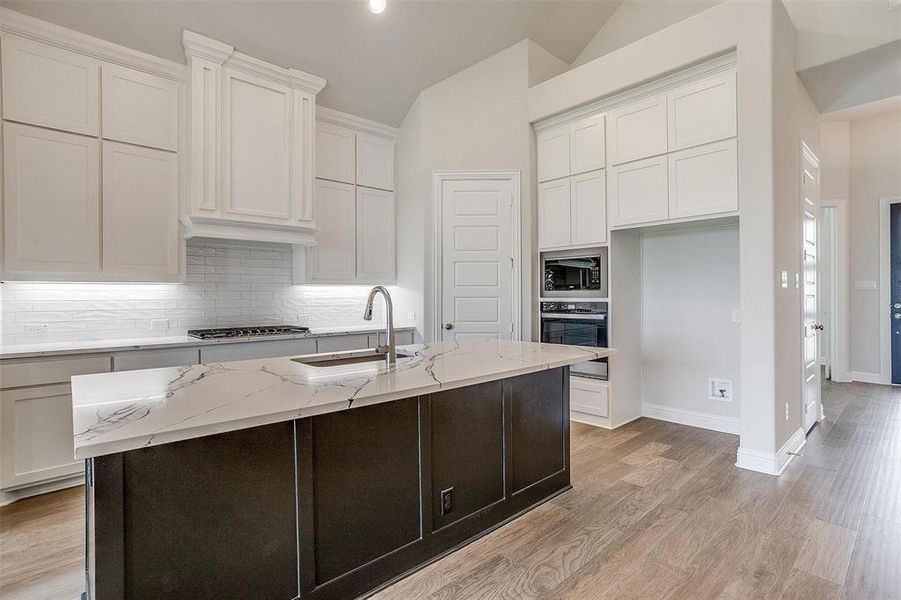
{"x": 477, "y": 267}
{"x": 810, "y": 183}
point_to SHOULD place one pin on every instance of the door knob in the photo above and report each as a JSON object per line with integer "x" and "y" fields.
{"x": 448, "y": 326}
{"x": 821, "y": 327}
{"x": 896, "y": 316}
{"x": 896, "y": 305}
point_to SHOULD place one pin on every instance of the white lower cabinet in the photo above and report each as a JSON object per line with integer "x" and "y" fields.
{"x": 589, "y": 396}
{"x": 340, "y": 343}
{"x": 553, "y": 213}
{"x": 703, "y": 180}
{"x": 638, "y": 192}
{"x": 36, "y": 429}
{"x": 251, "y": 350}
{"x": 155, "y": 359}
{"x": 334, "y": 257}
{"x": 140, "y": 211}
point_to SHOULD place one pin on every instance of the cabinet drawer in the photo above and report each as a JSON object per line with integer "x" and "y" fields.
{"x": 229, "y": 352}
{"x": 27, "y": 372}
{"x": 36, "y": 434}
{"x": 590, "y": 396}
{"x": 343, "y": 342}
{"x": 153, "y": 359}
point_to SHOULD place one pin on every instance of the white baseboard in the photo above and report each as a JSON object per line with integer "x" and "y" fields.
{"x": 691, "y": 417}
{"x": 768, "y": 462}
{"x": 596, "y": 421}
{"x": 44, "y": 488}
{"x": 864, "y": 377}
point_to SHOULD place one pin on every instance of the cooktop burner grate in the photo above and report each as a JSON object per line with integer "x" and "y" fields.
{"x": 236, "y": 332}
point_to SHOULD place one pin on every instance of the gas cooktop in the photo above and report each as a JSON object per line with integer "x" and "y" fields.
{"x": 241, "y": 332}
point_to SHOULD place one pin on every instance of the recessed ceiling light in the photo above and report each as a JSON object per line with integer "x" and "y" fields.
{"x": 377, "y": 7}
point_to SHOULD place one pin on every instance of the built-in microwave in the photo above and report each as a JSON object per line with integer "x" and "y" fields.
{"x": 574, "y": 274}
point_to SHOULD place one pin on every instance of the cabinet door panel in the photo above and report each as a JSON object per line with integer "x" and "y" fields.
{"x": 335, "y": 153}
{"x": 589, "y": 208}
{"x": 375, "y": 162}
{"x": 554, "y": 213}
{"x": 46, "y": 85}
{"x": 251, "y": 350}
{"x": 637, "y": 130}
{"x": 339, "y": 343}
{"x": 553, "y": 153}
{"x": 703, "y": 180}
{"x": 587, "y": 144}
{"x": 334, "y": 258}
{"x": 702, "y": 112}
{"x": 537, "y": 443}
{"x": 375, "y": 235}
{"x": 52, "y": 201}
{"x": 140, "y": 210}
{"x": 36, "y": 435}
{"x": 155, "y": 359}
{"x": 139, "y": 108}
{"x": 257, "y": 118}
{"x": 638, "y": 192}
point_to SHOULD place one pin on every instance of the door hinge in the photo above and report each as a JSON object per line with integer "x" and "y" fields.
{"x": 511, "y": 262}
{"x": 511, "y": 326}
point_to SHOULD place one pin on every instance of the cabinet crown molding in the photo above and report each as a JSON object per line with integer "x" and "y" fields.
{"x": 200, "y": 46}
{"x": 15, "y": 23}
{"x": 336, "y": 117}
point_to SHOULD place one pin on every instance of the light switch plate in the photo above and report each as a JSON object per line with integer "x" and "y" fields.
{"x": 736, "y": 315}
{"x": 865, "y": 286}
{"x": 784, "y": 279}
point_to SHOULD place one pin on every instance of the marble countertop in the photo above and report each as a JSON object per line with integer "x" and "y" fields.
{"x": 89, "y": 347}
{"x": 116, "y": 412}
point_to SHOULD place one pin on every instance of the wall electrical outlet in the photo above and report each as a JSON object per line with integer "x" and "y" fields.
{"x": 783, "y": 279}
{"x": 447, "y": 501}
{"x": 36, "y": 328}
{"x": 719, "y": 389}
{"x": 736, "y": 315}
{"x": 411, "y": 317}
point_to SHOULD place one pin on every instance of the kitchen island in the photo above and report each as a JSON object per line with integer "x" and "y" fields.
{"x": 288, "y": 477}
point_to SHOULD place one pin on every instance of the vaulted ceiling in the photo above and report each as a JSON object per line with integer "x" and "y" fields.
{"x": 375, "y": 64}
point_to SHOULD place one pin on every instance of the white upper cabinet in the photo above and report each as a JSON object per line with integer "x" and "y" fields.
{"x": 252, "y": 145}
{"x": 703, "y": 111}
{"x": 256, "y": 135}
{"x": 335, "y": 153}
{"x": 46, "y": 85}
{"x": 375, "y": 235}
{"x": 588, "y": 208}
{"x": 703, "y": 180}
{"x": 637, "y": 130}
{"x": 52, "y": 201}
{"x": 375, "y": 162}
{"x": 638, "y": 192}
{"x": 587, "y": 145}
{"x": 140, "y": 211}
{"x": 334, "y": 257}
{"x": 553, "y": 153}
{"x": 139, "y": 108}
{"x": 554, "y": 213}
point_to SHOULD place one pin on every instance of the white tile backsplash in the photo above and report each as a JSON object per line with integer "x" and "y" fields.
{"x": 227, "y": 283}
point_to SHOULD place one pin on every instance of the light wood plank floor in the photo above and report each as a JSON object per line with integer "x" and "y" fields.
{"x": 658, "y": 510}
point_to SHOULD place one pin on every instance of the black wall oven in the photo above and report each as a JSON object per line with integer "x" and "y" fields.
{"x": 577, "y": 324}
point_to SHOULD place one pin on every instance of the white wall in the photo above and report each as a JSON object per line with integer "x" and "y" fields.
{"x": 875, "y": 172}
{"x": 835, "y": 160}
{"x": 635, "y": 19}
{"x": 475, "y": 120}
{"x": 794, "y": 121}
{"x": 228, "y": 283}
{"x": 689, "y": 288}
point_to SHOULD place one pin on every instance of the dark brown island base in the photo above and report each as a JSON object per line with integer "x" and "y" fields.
{"x": 331, "y": 506}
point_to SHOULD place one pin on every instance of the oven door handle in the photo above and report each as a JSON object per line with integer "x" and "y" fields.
{"x": 582, "y": 317}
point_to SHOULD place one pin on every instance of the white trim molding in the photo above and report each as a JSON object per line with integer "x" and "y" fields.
{"x": 196, "y": 226}
{"x": 885, "y": 333}
{"x": 18, "y": 24}
{"x": 438, "y": 178}
{"x": 768, "y": 462}
{"x": 691, "y": 417}
{"x": 342, "y": 119}
{"x": 863, "y": 377}
{"x": 840, "y": 292}
{"x": 200, "y": 46}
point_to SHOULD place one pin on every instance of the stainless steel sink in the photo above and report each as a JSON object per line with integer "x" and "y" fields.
{"x": 349, "y": 357}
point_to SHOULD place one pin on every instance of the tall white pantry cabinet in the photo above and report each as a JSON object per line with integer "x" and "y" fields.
{"x": 91, "y": 158}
